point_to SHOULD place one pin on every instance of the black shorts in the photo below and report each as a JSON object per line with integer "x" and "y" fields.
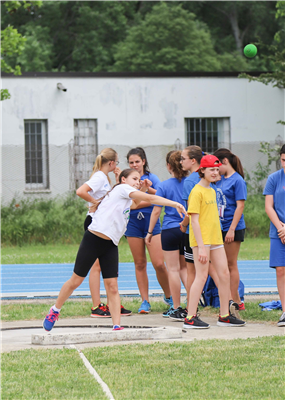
{"x": 239, "y": 235}
{"x": 188, "y": 253}
{"x": 87, "y": 222}
{"x": 172, "y": 239}
{"x": 93, "y": 247}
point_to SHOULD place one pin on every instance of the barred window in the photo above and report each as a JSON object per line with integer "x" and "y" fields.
{"x": 208, "y": 133}
{"x": 36, "y": 155}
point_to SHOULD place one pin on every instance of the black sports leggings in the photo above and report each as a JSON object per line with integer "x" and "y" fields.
{"x": 93, "y": 247}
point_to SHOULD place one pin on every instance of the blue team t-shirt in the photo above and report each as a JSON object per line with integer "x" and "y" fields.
{"x": 229, "y": 191}
{"x": 275, "y": 186}
{"x": 171, "y": 189}
{"x": 155, "y": 182}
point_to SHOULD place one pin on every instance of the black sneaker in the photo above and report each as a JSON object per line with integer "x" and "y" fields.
{"x": 125, "y": 312}
{"x": 234, "y": 309}
{"x": 281, "y": 321}
{"x": 178, "y": 315}
{"x": 195, "y": 323}
{"x": 100, "y": 311}
{"x": 230, "y": 320}
{"x": 165, "y": 314}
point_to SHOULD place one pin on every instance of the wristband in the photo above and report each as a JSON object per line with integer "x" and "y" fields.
{"x": 184, "y": 226}
{"x": 150, "y": 233}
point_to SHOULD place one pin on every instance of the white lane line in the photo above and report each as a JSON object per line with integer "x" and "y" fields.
{"x": 92, "y": 371}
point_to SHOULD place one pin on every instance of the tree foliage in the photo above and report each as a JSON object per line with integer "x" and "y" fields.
{"x": 117, "y": 35}
{"x": 12, "y": 42}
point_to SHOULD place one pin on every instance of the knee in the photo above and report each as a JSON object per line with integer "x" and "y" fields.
{"x": 112, "y": 288}
{"x": 280, "y": 272}
{"x": 140, "y": 266}
{"x": 74, "y": 282}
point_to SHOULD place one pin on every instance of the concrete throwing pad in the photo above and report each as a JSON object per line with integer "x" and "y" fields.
{"x": 92, "y": 336}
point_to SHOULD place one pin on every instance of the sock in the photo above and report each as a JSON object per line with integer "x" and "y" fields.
{"x": 224, "y": 316}
{"x": 56, "y": 309}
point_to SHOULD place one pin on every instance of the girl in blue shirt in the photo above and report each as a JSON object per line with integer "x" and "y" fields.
{"x": 231, "y": 196}
{"x": 274, "y": 192}
{"x": 137, "y": 230}
{"x": 172, "y": 238}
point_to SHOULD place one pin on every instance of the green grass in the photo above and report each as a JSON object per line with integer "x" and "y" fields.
{"x": 251, "y": 249}
{"x": 213, "y": 369}
{"x": 75, "y": 309}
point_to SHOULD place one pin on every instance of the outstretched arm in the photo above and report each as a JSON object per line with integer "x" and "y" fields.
{"x": 157, "y": 200}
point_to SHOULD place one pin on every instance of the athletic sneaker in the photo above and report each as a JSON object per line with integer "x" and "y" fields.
{"x": 281, "y": 321}
{"x": 234, "y": 308}
{"x": 241, "y": 307}
{"x": 118, "y": 328}
{"x": 168, "y": 301}
{"x": 178, "y": 315}
{"x": 144, "y": 308}
{"x": 165, "y": 314}
{"x": 195, "y": 323}
{"x": 230, "y": 320}
{"x": 50, "y": 319}
{"x": 125, "y": 312}
{"x": 101, "y": 311}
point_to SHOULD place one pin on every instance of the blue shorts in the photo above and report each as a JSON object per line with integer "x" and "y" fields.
{"x": 172, "y": 239}
{"x": 138, "y": 225}
{"x": 277, "y": 253}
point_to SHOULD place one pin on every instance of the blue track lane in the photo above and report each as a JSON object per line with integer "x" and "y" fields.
{"x": 47, "y": 279}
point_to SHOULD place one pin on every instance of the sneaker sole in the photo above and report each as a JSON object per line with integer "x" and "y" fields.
{"x": 177, "y": 319}
{"x": 126, "y": 315}
{"x": 100, "y": 316}
{"x": 143, "y": 312}
{"x": 230, "y": 325}
{"x": 195, "y": 327}
{"x": 281, "y": 323}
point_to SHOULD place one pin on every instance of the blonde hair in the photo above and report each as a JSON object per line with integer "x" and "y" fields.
{"x": 104, "y": 157}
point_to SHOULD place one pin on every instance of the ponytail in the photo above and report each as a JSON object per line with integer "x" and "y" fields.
{"x": 233, "y": 160}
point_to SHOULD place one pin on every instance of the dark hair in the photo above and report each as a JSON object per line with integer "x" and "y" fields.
{"x": 233, "y": 159}
{"x": 282, "y": 150}
{"x": 124, "y": 174}
{"x": 173, "y": 158}
{"x": 139, "y": 151}
{"x": 195, "y": 152}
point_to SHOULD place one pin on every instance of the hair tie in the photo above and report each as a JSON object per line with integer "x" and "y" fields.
{"x": 203, "y": 153}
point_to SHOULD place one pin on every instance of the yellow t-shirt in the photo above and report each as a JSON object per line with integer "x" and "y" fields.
{"x": 203, "y": 201}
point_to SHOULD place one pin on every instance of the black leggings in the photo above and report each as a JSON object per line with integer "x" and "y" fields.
{"x": 93, "y": 247}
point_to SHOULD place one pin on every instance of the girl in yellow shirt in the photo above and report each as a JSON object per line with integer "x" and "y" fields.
{"x": 207, "y": 243}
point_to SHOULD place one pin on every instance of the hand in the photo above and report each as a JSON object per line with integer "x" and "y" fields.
{"x": 117, "y": 172}
{"x": 148, "y": 238}
{"x": 145, "y": 185}
{"x": 180, "y": 209}
{"x": 183, "y": 228}
{"x": 95, "y": 204}
{"x": 230, "y": 236}
{"x": 281, "y": 232}
{"x": 202, "y": 255}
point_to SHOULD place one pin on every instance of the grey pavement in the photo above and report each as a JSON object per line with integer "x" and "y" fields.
{"x": 147, "y": 328}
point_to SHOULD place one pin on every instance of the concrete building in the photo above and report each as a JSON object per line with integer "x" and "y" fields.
{"x": 55, "y": 124}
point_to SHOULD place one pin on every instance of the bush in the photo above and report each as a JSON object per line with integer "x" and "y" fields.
{"x": 58, "y": 220}
{"x": 256, "y": 220}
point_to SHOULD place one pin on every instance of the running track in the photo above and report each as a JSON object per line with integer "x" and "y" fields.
{"x": 40, "y": 280}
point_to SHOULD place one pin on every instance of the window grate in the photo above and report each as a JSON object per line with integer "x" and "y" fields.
{"x": 36, "y": 155}
{"x": 202, "y": 132}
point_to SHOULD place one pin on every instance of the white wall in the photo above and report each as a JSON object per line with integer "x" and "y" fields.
{"x": 132, "y": 112}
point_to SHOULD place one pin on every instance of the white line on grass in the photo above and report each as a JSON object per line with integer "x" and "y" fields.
{"x": 92, "y": 371}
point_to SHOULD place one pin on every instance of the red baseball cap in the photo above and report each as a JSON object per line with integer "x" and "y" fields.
{"x": 209, "y": 161}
